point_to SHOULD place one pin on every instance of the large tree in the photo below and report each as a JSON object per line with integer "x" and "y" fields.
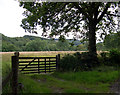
{"x": 82, "y": 19}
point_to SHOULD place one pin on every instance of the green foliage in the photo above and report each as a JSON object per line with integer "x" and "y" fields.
{"x": 112, "y": 41}
{"x": 81, "y": 47}
{"x": 61, "y": 18}
{"x": 89, "y": 77}
{"x": 63, "y": 45}
{"x": 111, "y": 58}
{"x": 67, "y": 63}
{"x": 76, "y": 62}
{"x": 115, "y": 56}
{"x": 84, "y": 61}
{"x": 9, "y": 47}
{"x": 32, "y": 43}
{"x": 100, "y": 46}
{"x": 104, "y": 58}
{"x": 36, "y": 45}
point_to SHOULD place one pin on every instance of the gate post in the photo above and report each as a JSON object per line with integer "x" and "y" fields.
{"x": 15, "y": 63}
{"x": 57, "y": 61}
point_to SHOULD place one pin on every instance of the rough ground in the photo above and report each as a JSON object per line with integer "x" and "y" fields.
{"x": 115, "y": 87}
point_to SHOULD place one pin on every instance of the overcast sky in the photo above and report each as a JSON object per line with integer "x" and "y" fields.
{"x": 10, "y": 19}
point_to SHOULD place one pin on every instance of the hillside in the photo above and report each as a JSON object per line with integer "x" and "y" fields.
{"x": 33, "y": 43}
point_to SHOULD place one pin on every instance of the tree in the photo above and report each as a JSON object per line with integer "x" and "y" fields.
{"x": 37, "y": 45}
{"x": 8, "y": 47}
{"x": 81, "y": 47}
{"x": 100, "y": 46}
{"x": 62, "y": 46}
{"x": 61, "y": 18}
{"x": 112, "y": 41}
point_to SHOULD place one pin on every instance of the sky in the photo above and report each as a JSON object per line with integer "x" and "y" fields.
{"x": 10, "y": 19}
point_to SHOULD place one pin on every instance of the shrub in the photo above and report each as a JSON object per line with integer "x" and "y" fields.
{"x": 114, "y": 56}
{"x": 67, "y": 63}
{"x": 75, "y": 62}
{"x": 104, "y": 58}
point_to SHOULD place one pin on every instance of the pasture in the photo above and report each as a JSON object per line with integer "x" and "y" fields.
{"x": 61, "y": 82}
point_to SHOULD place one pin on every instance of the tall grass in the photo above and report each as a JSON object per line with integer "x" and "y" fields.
{"x": 6, "y": 64}
{"x": 89, "y": 77}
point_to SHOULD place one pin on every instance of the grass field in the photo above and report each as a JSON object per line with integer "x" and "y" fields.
{"x": 66, "y": 82}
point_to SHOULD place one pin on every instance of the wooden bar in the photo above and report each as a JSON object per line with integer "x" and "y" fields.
{"x": 45, "y": 65}
{"x": 35, "y": 61}
{"x": 35, "y": 72}
{"x": 57, "y": 61}
{"x": 31, "y": 70}
{"x": 48, "y": 69}
{"x": 49, "y": 64}
{"x": 28, "y": 64}
{"x": 34, "y": 64}
{"x": 28, "y": 67}
{"x": 36, "y": 57}
{"x": 38, "y": 66}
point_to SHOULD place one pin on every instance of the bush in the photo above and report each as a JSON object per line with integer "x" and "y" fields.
{"x": 114, "y": 56}
{"x": 67, "y": 63}
{"x": 104, "y": 58}
{"x": 75, "y": 62}
{"x": 84, "y": 61}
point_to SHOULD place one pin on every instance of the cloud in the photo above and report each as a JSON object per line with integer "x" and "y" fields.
{"x": 10, "y": 18}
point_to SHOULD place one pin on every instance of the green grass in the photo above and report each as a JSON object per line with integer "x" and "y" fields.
{"x": 96, "y": 81}
{"x": 91, "y": 77}
{"x": 57, "y": 85}
{"x": 6, "y": 64}
{"x": 31, "y": 86}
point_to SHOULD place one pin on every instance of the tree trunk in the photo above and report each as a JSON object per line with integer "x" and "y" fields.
{"x": 92, "y": 39}
{"x": 92, "y": 43}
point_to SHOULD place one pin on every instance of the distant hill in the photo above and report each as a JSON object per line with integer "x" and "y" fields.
{"x": 19, "y": 43}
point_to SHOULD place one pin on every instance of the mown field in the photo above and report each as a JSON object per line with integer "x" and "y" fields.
{"x": 97, "y": 81}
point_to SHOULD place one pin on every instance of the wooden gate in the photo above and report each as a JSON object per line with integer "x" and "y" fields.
{"x": 28, "y": 65}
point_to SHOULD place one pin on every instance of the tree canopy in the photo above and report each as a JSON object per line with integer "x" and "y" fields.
{"x": 82, "y": 19}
